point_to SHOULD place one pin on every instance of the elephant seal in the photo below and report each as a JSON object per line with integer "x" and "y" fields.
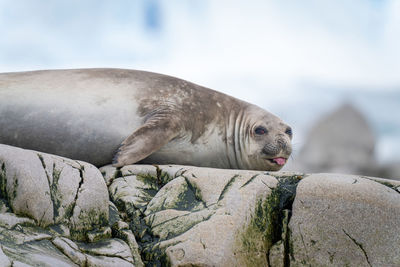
{"x": 127, "y": 116}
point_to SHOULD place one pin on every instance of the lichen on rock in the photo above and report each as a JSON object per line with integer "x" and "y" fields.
{"x": 53, "y": 190}
{"x": 55, "y": 212}
{"x": 62, "y": 212}
{"x": 198, "y": 217}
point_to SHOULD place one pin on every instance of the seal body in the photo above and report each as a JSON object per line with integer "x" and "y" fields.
{"x": 97, "y": 115}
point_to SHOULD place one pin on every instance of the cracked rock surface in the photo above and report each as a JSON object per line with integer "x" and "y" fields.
{"x": 344, "y": 220}
{"x": 188, "y": 216}
{"x": 61, "y": 212}
{"x": 52, "y": 190}
{"x": 56, "y": 212}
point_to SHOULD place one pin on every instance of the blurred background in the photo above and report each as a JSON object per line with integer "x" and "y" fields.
{"x": 328, "y": 68}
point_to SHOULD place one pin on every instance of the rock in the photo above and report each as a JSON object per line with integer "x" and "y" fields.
{"x": 341, "y": 142}
{"x": 70, "y": 249}
{"x": 98, "y": 234}
{"x": 190, "y": 216}
{"x": 36, "y": 253}
{"x": 4, "y": 261}
{"x": 47, "y": 204}
{"x": 53, "y": 190}
{"x": 20, "y": 264}
{"x": 10, "y": 220}
{"x": 108, "y": 252}
{"x": 202, "y": 216}
{"x": 343, "y": 220}
{"x": 115, "y": 248}
{"x": 26, "y": 245}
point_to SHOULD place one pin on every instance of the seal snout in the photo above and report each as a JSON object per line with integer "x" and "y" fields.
{"x": 277, "y": 152}
{"x": 278, "y": 147}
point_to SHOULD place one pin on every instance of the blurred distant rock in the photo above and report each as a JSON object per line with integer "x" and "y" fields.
{"x": 341, "y": 142}
{"x": 390, "y": 170}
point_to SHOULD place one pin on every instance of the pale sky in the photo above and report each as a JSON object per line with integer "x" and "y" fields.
{"x": 278, "y": 42}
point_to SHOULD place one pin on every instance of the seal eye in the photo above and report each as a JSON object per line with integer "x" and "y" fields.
{"x": 260, "y": 130}
{"x": 288, "y": 131}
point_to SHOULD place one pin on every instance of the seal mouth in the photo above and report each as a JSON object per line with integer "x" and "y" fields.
{"x": 278, "y": 161}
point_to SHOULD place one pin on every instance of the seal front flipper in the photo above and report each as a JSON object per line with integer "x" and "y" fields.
{"x": 147, "y": 139}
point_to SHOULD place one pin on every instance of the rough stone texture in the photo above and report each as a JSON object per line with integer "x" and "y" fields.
{"x": 343, "y": 220}
{"x": 47, "y": 203}
{"x": 109, "y": 252}
{"x": 4, "y": 261}
{"x": 20, "y": 264}
{"x": 53, "y": 190}
{"x": 26, "y": 245}
{"x": 10, "y": 220}
{"x": 190, "y": 216}
{"x": 200, "y": 216}
{"x": 38, "y": 247}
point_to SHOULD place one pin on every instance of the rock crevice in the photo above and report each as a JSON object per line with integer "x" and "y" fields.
{"x": 67, "y": 213}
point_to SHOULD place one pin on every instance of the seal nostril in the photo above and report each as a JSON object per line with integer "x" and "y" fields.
{"x": 282, "y": 144}
{"x": 271, "y": 149}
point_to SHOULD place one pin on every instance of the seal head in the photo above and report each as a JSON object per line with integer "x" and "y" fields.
{"x": 266, "y": 142}
{"x": 270, "y": 143}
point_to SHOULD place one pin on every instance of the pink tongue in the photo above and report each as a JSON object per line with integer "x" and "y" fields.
{"x": 280, "y": 161}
